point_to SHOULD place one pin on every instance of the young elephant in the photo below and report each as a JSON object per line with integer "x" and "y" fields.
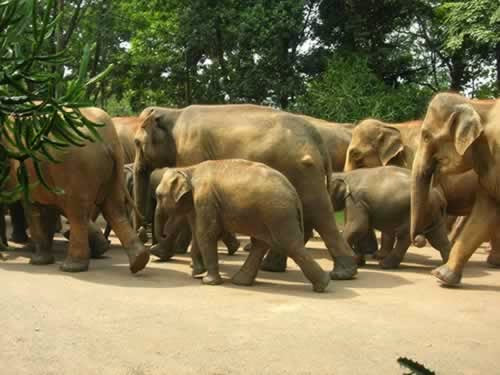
{"x": 240, "y": 196}
{"x": 163, "y": 250}
{"x": 380, "y": 198}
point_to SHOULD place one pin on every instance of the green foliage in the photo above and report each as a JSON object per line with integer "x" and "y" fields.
{"x": 349, "y": 91}
{"x": 38, "y": 114}
{"x": 472, "y": 20}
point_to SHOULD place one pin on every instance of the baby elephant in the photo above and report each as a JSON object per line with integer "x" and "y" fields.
{"x": 379, "y": 198}
{"x": 237, "y": 196}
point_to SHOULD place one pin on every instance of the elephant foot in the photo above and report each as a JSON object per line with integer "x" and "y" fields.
{"x": 379, "y": 255}
{"x": 360, "y": 260}
{"x": 142, "y": 233}
{"x": 320, "y": 286}
{"x": 75, "y": 265}
{"x": 98, "y": 248}
{"x": 345, "y": 268}
{"x": 274, "y": 262}
{"x": 493, "y": 259}
{"x": 138, "y": 260}
{"x": 248, "y": 247}
{"x": 158, "y": 251}
{"x": 447, "y": 276}
{"x": 211, "y": 280}
{"x": 19, "y": 237}
{"x": 243, "y": 278}
{"x": 419, "y": 241}
{"x": 233, "y": 247}
{"x": 198, "y": 272}
{"x": 390, "y": 262}
{"x": 42, "y": 258}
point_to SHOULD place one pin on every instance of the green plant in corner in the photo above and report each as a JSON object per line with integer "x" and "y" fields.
{"x": 39, "y": 108}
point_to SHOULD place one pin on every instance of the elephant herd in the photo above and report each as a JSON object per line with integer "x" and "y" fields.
{"x": 205, "y": 172}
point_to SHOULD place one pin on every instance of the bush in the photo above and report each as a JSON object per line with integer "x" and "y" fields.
{"x": 349, "y": 91}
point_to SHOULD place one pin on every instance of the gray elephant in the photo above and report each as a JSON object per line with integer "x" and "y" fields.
{"x": 380, "y": 198}
{"x": 285, "y": 142}
{"x": 236, "y": 196}
{"x": 165, "y": 251}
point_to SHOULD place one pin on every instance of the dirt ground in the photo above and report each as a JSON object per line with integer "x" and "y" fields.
{"x": 161, "y": 321}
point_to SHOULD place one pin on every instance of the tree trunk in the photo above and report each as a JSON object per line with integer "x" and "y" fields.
{"x": 457, "y": 72}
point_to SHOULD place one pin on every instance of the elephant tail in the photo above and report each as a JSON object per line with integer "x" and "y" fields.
{"x": 129, "y": 201}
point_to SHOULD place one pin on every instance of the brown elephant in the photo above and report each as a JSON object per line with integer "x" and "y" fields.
{"x": 287, "y": 143}
{"x": 126, "y": 128}
{"x": 237, "y": 196}
{"x": 91, "y": 180}
{"x": 459, "y": 135}
{"x": 166, "y": 250}
{"x": 375, "y": 143}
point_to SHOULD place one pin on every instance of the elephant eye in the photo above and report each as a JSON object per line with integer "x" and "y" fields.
{"x": 426, "y": 137}
{"x": 355, "y": 154}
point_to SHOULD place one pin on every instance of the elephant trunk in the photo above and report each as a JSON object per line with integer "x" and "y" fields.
{"x": 423, "y": 169}
{"x": 141, "y": 188}
{"x": 159, "y": 223}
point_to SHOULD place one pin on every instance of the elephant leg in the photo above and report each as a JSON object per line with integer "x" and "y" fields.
{"x": 43, "y": 221}
{"x": 115, "y": 214}
{"x": 207, "y": 231}
{"x": 322, "y": 218}
{"x": 19, "y": 223}
{"x": 248, "y": 272}
{"x": 386, "y": 245}
{"x": 231, "y": 242}
{"x": 395, "y": 257}
{"x": 3, "y": 228}
{"x": 457, "y": 228}
{"x": 494, "y": 256}
{"x": 478, "y": 226}
{"x": 197, "y": 264}
{"x": 311, "y": 269}
{"x": 275, "y": 261}
{"x": 97, "y": 241}
{"x": 77, "y": 259}
{"x": 183, "y": 239}
{"x": 438, "y": 238}
{"x": 107, "y": 231}
{"x": 356, "y": 228}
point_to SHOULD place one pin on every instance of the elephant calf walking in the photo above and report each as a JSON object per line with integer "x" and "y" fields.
{"x": 380, "y": 198}
{"x": 236, "y": 196}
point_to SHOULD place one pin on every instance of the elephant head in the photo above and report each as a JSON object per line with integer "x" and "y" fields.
{"x": 155, "y": 148}
{"x": 451, "y": 126}
{"x": 174, "y": 199}
{"x": 373, "y": 144}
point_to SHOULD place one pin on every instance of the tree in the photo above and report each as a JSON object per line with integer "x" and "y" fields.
{"x": 474, "y": 22}
{"x": 349, "y": 91}
{"x": 37, "y": 114}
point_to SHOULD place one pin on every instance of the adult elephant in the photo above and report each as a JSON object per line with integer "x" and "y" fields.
{"x": 459, "y": 135}
{"x": 337, "y": 137}
{"x": 184, "y": 137}
{"x": 375, "y": 143}
{"x": 91, "y": 178}
{"x": 126, "y": 128}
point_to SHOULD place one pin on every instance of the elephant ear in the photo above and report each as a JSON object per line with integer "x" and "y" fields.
{"x": 389, "y": 144}
{"x": 465, "y": 124}
{"x": 180, "y": 186}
